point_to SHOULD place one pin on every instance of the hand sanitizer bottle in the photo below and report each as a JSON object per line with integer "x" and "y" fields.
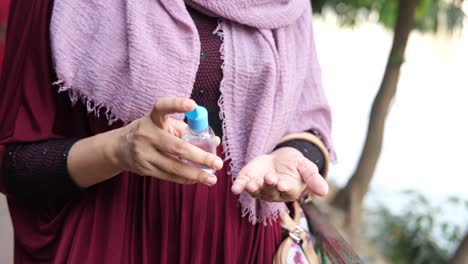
{"x": 200, "y": 134}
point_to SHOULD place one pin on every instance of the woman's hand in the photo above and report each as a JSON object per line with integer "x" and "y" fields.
{"x": 151, "y": 146}
{"x": 280, "y": 177}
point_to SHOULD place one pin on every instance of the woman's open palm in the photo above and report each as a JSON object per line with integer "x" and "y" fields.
{"x": 280, "y": 176}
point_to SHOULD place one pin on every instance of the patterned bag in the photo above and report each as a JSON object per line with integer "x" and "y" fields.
{"x": 298, "y": 246}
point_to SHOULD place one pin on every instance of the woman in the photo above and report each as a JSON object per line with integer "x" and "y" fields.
{"x": 75, "y": 152}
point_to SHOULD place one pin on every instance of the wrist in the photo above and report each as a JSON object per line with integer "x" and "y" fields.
{"x": 112, "y": 149}
{"x": 94, "y": 159}
{"x": 311, "y": 146}
{"x": 309, "y": 150}
{"x": 286, "y": 150}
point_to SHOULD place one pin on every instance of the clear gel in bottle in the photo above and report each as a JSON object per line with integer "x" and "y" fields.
{"x": 200, "y": 134}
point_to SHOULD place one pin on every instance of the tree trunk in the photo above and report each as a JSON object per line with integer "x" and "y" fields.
{"x": 461, "y": 255}
{"x": 350, "y": 198}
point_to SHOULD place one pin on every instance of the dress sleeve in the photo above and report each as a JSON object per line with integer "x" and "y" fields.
{"x": 30, "y": 108}
{"x": 38, "y": 170}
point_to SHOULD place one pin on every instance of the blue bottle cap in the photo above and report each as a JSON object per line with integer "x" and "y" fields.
{"x": 198, "y": 119}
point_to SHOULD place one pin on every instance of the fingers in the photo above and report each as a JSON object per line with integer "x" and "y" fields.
{"x": 176, "y": 127}
{"x": 271, "y": 193}
{"x": 271, "y": 187}
{"x": 176, "y": 169}
{"x": 280, "y": 186}
{"x": 311, "y": 177}
{"x": 270, "y": 180}
{"x": 290, "y": 188}
{"x": 268, "y": 189}
{"x": 254, "y": 189}
{"x": 170, "y": 105}
{"x": 179, "y": 128}
{"x": 247, "y": 176}
{"x": 264, "y": 179}
{"x": 144, "y": 167}
{"x": 286, "y": 185}
{"x": 177, "y": 147}
{"x": 258, "y": 187}
{"x": 240, "y": 184}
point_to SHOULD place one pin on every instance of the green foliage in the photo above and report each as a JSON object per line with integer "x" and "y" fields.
{"x": 416, "y": 235}
{"x": 430, "y": 15}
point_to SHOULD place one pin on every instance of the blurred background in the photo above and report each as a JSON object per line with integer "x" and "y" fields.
{"x": 395, "y": 73}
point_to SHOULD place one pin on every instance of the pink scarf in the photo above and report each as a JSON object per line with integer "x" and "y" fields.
{"x": 124, "y": 55}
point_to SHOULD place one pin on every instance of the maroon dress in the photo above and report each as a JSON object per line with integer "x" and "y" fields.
{"x": 129, "y": 218}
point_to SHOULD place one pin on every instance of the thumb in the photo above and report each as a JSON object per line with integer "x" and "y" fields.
{"x": 170, "y": 105}
{"x": 312, "y": 178}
